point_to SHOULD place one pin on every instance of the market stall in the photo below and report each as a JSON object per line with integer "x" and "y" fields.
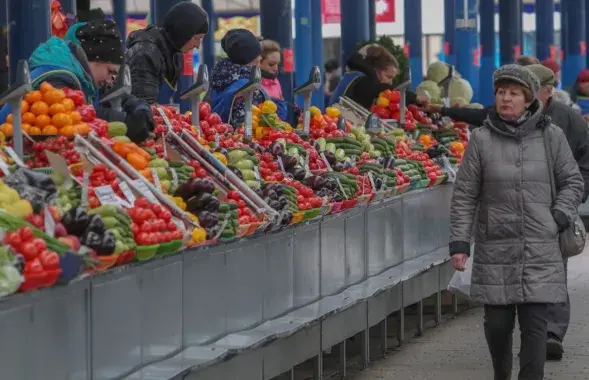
{"x": 203, "y": 230}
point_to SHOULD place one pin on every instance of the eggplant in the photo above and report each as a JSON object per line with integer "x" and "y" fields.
{"x": 347, "y": 164}
{"x": 212, "y": 231}
{"x": 96, "y": 224}
{"x": 274, "y": 204}
{"x": 276, "y": 149}
{"x": 378, "y": 183}
{"x": 389, "y": 162}
{"x": 92, "y": 240}
{"x": 236, "y": 171}
{"x": 283, "y": 202}
{"x": 184, "y": 191}
{"x": 257, "y": 148}
{"x": 338, "y": 167}
{"x": 272, "y": 195}
{"x": 204, "y": 186}
{"x": 279, "y": 189}
{"x": 289, "y": 162}
{"x": 330, "y": 156}
{"x": 286, "y": 218}
{"x": 299, "y": 174}
{"x": 203, "y": 202}
{"x": 75, "y": 221}
{"x": 207, "y": 219}
{"x": 107, "y": 245}
{"x": 337, "y": 198}
{"x": 259, "y": 192}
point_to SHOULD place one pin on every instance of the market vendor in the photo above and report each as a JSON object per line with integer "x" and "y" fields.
{"x": 154, "y": 53}
{"x": 243, "y": 51}
{"x": 269, "y": 67}
{"x": 371, "y": 71}
{"x": 89, "y": 58}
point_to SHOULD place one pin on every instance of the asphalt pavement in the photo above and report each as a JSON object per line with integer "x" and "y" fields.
{"x": 456, "y": 350}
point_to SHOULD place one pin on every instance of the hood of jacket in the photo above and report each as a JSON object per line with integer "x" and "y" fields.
{"x": 536, "y": 119}
{"x": 157, "y": 36}
{"x": 67, "y": 56}
{"x": 225, "y": 73}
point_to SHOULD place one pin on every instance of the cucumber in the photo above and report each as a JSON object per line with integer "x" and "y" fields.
{"x": 176, "y": 164}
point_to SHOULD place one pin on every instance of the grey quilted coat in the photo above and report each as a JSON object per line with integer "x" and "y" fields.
{"x": 504, "y": 174}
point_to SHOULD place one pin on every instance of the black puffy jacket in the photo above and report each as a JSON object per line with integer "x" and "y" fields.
{"x": 151, "y": 58}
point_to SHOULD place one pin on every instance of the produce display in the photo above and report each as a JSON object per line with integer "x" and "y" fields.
{"x": 84, "y": 198}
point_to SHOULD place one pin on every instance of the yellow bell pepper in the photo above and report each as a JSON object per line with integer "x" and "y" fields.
{"x": 315, "y": 111}
{"x": 382, "y": 101}
{"x": 332, "y": 112}
{"x": 256, "y": 111}
{"x": 198, "y": 235}
{"x": 221, "y": 157}
{"x": 269, "y": 107}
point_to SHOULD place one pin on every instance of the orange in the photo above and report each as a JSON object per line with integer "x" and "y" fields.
{"x": 82, "y": 128}
{"x": 53, "y": 96}
{"x": 24, "y": 106}
{"x": 61, "y": 120}
{"x": 9, "y": 118}
{"x": 68, "y": 104}
{"x": 34, "y": 131}
{"x": 56, "y": 108}
{"x": 42, "y": 120}
{"x": 6, "y": 129}
{"x": 25, "y": 127}
{"x": 49, "y": 130}
{"x": 76, "y": 117}
{"x": 68, "y": 131}
{"x": 46, "y": 86}
{"x": 34, "y": 96}
{"x": 40, "y": 108}
{"x": 29, "y": 118}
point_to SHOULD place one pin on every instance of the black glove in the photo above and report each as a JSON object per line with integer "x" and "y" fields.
{"x": 139, "y": 119}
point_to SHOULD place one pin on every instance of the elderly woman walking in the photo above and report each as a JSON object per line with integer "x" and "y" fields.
{"x": 517, "y": 264}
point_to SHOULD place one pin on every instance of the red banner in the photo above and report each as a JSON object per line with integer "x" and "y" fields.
{"x": 331, "y": 11}
{"x": 188, "y": 63}
{"x": 287, "y": 61}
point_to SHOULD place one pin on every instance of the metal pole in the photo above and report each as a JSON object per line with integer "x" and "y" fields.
{"x": 545, "y": 28}
{"x": 487, "y": 17}
{"x": 574, "y": 54}
{"x": 450, "y": 31}
{"x": 304, "y": 39}
{"x": 119, "y": 8}
{"x": 318, "y": 98}
{"x": 467, "y": 40}
{"x": 208, "y": 45}
{"x": 509, "y": 34}
{"x": 354, "y": 26}
{"x": 413, "y": 36}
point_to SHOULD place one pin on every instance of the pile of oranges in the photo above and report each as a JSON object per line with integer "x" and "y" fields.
{"x": 48, "y": 112}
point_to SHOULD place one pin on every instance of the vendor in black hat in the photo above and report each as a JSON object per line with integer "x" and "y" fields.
{"x": 154, "y": 53}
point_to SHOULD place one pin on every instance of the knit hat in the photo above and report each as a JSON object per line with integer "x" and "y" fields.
{"x": 544, "y": 74}
{"x": 551, "y": 64}
{"x": 583, "y": 76}
{"x": 517, "y": 74}
{"x": 241, "y": 46}
{"x": 101, "y": 41}
{"x": 183, "y": 21}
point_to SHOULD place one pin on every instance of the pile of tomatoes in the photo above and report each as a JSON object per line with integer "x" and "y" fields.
{"x": 152, "y": 224}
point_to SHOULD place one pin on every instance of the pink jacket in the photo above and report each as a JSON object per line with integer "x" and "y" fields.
{"x": 272, "y": 88}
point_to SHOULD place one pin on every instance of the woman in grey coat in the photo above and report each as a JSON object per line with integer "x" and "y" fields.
{"x": 517, "y": 264}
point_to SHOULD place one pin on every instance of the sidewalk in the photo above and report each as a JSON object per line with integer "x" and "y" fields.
{"x": 457, "y": 350}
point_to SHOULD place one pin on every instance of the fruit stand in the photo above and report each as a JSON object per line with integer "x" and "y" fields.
{"x": 122, "y": 254}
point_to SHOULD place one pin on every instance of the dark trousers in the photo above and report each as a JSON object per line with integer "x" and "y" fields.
{"x": 499, "y": 325}
{"x": 559, "y": 316}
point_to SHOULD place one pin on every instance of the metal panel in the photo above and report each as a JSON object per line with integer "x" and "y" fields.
{"x": 307, "y": 259}
{"x": 204, "y": 287}
{"x": 245, "y": 275}
{"x": 394, "y": 225}
{"x": 333, "y": 255}
{"x": 16, "y": 332}
{"x": 356, "y": 247}
{"x": 412, "y": 218}
{"x": 375, "y": 233}
{"x": 279, "y": 286}
{"x": 430, "y": 281}
{"x": 116, "y": 325}
{"x": 161, "y": 310}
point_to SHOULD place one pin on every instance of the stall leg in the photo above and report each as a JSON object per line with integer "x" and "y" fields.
{"x": 365, "y": 348}
{"x": 318, "y": 375}
{"x": 384, "y": 334}
{"x": 455, "y": 305}
{"x": 419, "y": 318}
{"x": 438, "y": 306}
{"x": 342, "y": 359}
{"x": 291, "y": 374}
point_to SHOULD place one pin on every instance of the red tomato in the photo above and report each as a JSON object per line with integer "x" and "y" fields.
{"x": 300, "y": 199}
{"x": 171, "y": 226}
{"x": 241, "y": 204}
{"x": 49, "y": 259}
{"x": 165, "y": 215}
{"x": 146, "y": 227}
{"x": 142, "y": 203}
{"x": 244, "y": 220}
{"x": 13, "y": 239}
{"x": 134, "y": 229}
{"x": 158, "y": 237}
{"x": 204, "y": 110}
{"x": 214, "y": 119}
{"x": 39, "y": 244}
{"x": 233, "y": 195}
{"x": 26, "y": 234}
{"x": 143, "y": 238}
{"x": 157, "y": 209}
{"x": 201, "y": 173}
{"x": 33, "y": 267}
{"x": 279, "y": 176}
{"x": 28, "y": 250}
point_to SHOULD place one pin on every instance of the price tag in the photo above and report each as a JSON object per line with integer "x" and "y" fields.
{"x": 248, "y": 124}
{"x": 106, "y": 195}
{"x": 156, "y": 178}
{"x": 85, "y": 185}
{"x": 4, "y": 167}
{"x": 164, "y": 145}
{"x": 225, "y": 221}
{"x": 174, "y": 176}
{"x": 127, "y": 192}
{"x": 217, "y": 138}
{"x": 281, "y": 164}
{"x": 257, "y": 174}
{"x": 17, "y": 160}
{"x": 165, "y": 117}
{"x": 142, "y": 187}
{"x": 322, "y": 155}
{"x": 371, "y": 178}
{"x": 49, "y": 223}
{"x": 384, "y": 182}
{"x": 345, "y": 195}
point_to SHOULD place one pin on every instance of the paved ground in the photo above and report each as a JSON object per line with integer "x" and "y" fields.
{"x": 456, "y": 350}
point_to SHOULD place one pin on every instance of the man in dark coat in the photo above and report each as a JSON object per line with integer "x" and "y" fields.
{"x": 154, "y": 53}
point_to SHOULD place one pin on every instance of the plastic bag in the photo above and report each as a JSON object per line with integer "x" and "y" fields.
{"x": 35, "y": 187}
{"x": 460, "y": 281}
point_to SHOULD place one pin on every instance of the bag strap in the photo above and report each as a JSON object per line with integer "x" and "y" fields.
{"x": 550, "y": 161}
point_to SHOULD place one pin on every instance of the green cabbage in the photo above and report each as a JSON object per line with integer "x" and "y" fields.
{"x": 460, "y": 88}
{"x": 430, "y": 89}
{"x": 437, "y": 71}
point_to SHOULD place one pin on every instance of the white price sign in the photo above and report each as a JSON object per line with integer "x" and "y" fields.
{"x": 127, "y": 192}
{"x": 14, "y": 157}
{"x": 142, "y": 187}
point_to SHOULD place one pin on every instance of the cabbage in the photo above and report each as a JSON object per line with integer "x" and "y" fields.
{"x": 430, "y": 89}
{"x": 476, "y": 106}
{"x": 458, "y": 101}
{"x": 460, "y": 88}
{"x": 438, "y": 71}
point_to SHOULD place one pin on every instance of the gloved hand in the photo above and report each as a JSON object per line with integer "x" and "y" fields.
{"x": 139, "y": 119}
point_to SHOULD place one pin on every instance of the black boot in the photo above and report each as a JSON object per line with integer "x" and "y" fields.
{"x": 554, "y": 348}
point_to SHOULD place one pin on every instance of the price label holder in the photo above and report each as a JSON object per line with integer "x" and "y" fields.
{"x": 49, "y": 223}
{"x": 174, "y": 176}
{"x": 257, "y": 174}
{"x": 127, "y": 192}
{"x": 165, "y": 117}
{"x": 344, "y": 194}
{"x": 17, "y": 160}
{"x": 223, "y": 225}
{"x": 281, "y": 164}
{"x": 85, "y": 185}
{"x": 59, "y": 165}
{"x": 322, "y": 155}
{"x": 106, "y": 195}
{"x": 156, "y": 178}
{"x": 142, "y": 187}
{"x": 371, "y": 179}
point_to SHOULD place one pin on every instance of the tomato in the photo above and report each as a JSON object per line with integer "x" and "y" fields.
{"x": 171, "y": 226}
{"x": 134, "y": 228}
{"x": 300, "y": 199}
{"x": 213, "y": 119}
{"x": 143, "y": 238}
{"x": 49, "y": 259}
{"x": 177, "y": 235}
{"x": 146, "y": 227}
{"x": 165, "y": 215}
{"x": 157, "y": 209}
{"x": 204, "y": 110}
{"x": 87, "y": 112}
{"x": 279, "y": 176}
{"x": 13, "y": 239}
{"x": 233, "y": 195}
{"x": 200, "y": 173}
{"x": 33, "y": 267}
{"x": 158, "y": 237}
{"x": 167, "y": 236}
{"x": 241, "y": 204}
{"x": 28, "y": 250}
{"x": 142, "y": 203}
{"x": 39, "y": 244}
{"x": 26, "y": 233}
{"x": 244, "y": 220}
{"x": 245, "y": 211}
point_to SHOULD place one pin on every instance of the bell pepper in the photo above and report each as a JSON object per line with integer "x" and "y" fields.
{"x": 332, "y": 112}
{"x": 269, "y": 107}
{"x": 198, "y": 235}
{"x": 315, "y": 111}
